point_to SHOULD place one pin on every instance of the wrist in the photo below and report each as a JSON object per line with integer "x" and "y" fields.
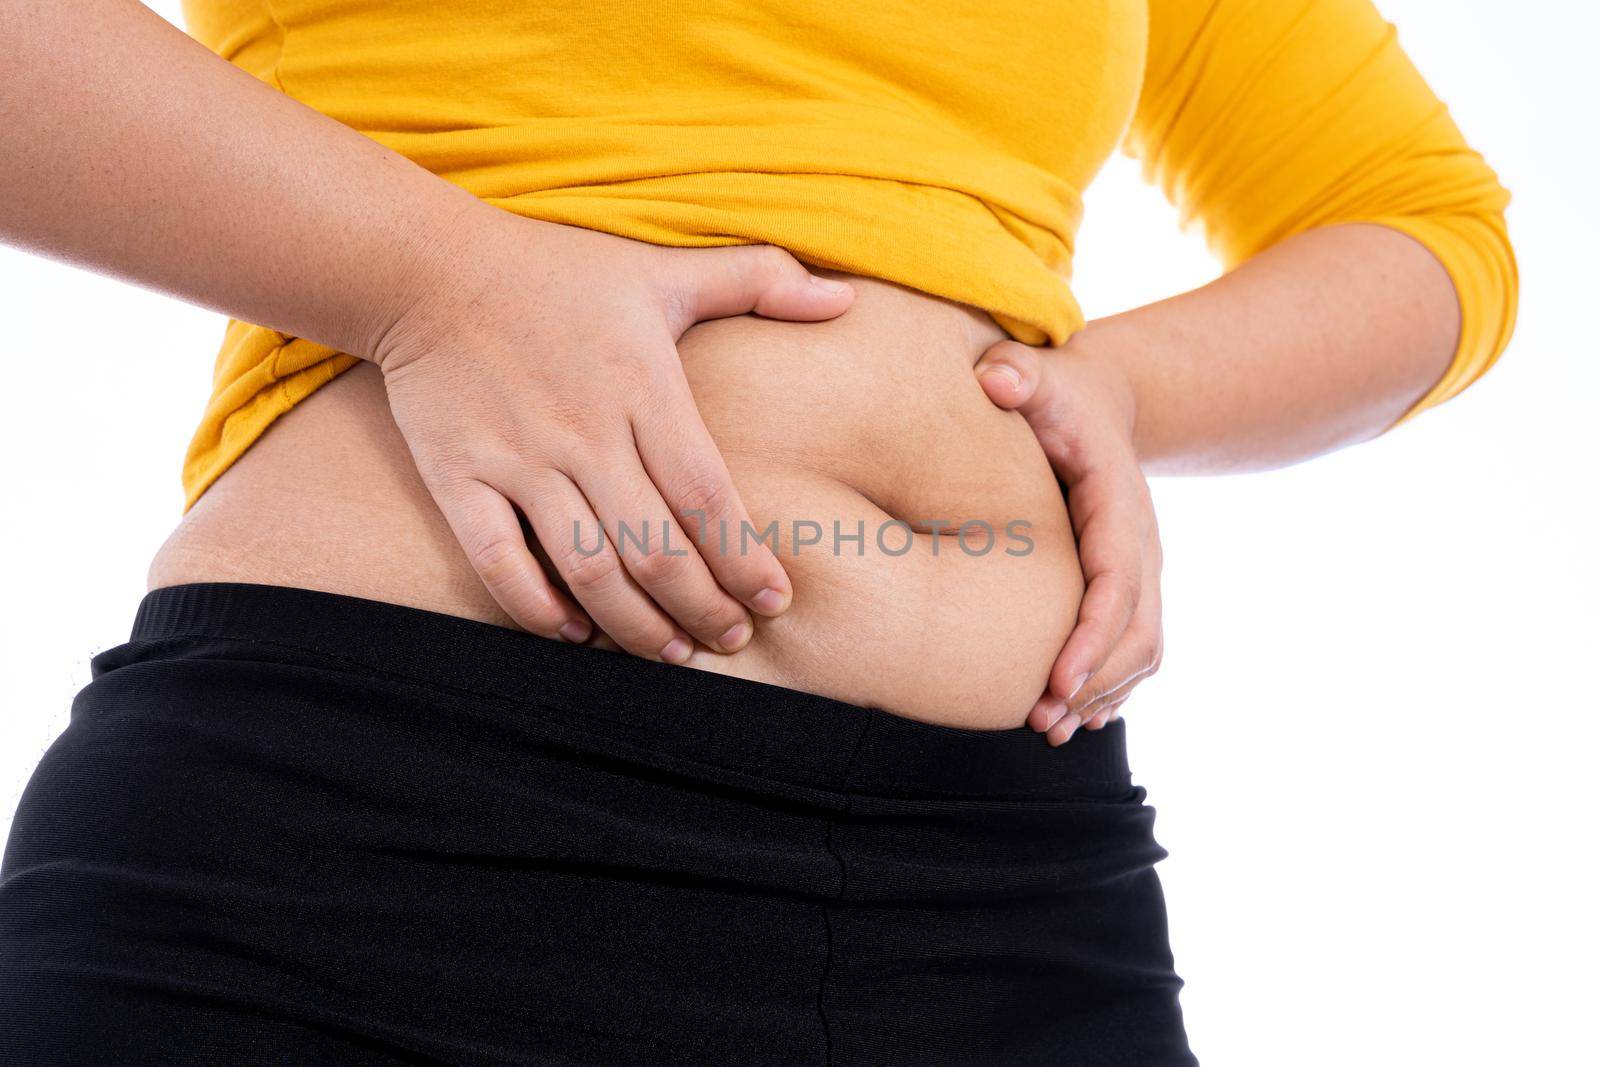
{"x": 432, "y": 275}
{"x": 1095, "y": 355}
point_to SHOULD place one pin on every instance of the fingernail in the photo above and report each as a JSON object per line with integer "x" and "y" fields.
{"x": 828, "y": 284}
{"x": 769, "y": 602}
{"x": 1053, "y": 716}
{"x": 1061, "y": 731}
{"x": 1000, "y": 370}
{"x": 1077, "y": 684}
{"x": 677, "y": 651}
{"x": 575, "y": 631}
{"x": 734, "y": 639}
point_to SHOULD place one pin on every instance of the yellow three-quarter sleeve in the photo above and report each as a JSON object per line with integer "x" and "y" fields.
{"x": 1262, "y": 118}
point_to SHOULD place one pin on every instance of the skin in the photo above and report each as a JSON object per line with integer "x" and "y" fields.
{"x": 131, "y": 149}
{"x": 868, "y": 418}
{"x": 1321, "y": 341}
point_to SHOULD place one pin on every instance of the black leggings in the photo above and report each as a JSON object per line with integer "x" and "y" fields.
{"x": 289, "y": 827}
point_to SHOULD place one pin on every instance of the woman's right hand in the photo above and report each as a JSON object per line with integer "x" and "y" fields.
{"x": 529, "y": 365}
{"x": 536, "y": 371}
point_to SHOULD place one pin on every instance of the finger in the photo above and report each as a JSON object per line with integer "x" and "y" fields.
{"x": 662, "y": 559}
{"x": 1127, "y": 666}
{"x": 1113, "y": 694}
{"x": 1107, "y": 502}
{"x": 1108, "y": 605}
{"x": 1011, "y": 374}
{"x": 1105, "y": 715}
{"x": 686, "y": 466}
{"x": 487, "y": 528}
{"x": 1060, "y": 733}
{"x": 713, "y": 283}
{"x": 1137, "y": 655}
{"x": 1050, "y": 710}
{"x": 602, "y": 641}
{"x": 587, "y": 561}
{"x": 1138, "y": 651}
{"x": 1051, "y": 717}
{"x": 1111, "y": 515}
{"x": 1047, "y": 711}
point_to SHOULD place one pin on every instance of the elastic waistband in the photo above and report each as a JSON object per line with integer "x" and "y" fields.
{"x": 749, "y": 727}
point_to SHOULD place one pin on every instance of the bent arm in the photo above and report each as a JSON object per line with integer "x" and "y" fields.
{"x": 129, "y": 148}
{"x": 1370, "y": 273}
{"x": 1321, "y": 341}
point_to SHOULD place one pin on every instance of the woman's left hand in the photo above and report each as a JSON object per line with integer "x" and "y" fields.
{"x": 1082, "y": 408}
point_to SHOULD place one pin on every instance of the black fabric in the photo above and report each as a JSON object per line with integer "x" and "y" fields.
{"x": 291, "y": 827}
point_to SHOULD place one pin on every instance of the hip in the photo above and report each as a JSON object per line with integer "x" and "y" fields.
{"x": 451, "y": 842}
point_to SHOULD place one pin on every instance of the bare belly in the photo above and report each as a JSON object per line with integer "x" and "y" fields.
{"x": 866, "y": 439}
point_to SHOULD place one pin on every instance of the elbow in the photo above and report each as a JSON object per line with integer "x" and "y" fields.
{"x": 1476, "y": 251}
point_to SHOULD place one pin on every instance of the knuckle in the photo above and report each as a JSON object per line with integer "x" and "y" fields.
{"x": 1123, "y": 592}
{"x": 637, "y": 628}
{"x": 535, "y": 610}
{"x": 539, "y": 611}
{"x": 675, "y": 285}
{"x": 703, "y": 492}
{"x": 1147, "y": 643}
{"x": 772, "y": 262}
{"x": 627, "y": 368}
{"x": 449, "y": 461}
{"x": 706, "y": 618}
{"x": 678, "y": 304}
{"x": 711, "y": 615}
{"x": 655, "y": 568}
{"x": 496, "y": 557}
{"x": 589, "y": 573}
{"x": 585, "y": 440}
{"x": 574, "y": 418}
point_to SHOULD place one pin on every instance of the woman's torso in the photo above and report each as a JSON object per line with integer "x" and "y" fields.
{"x": 943, "y": 146}
{"x": 868, "y": 421}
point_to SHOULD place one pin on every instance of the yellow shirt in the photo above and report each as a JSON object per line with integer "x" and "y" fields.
{"x": 941, "y": 144}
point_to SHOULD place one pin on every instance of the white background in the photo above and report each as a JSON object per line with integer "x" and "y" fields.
{"x": 1372, "y": 747}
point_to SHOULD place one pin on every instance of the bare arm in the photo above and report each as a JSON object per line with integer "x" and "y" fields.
{"x": 132, "y": 150}
{"x": 1370, "y": 276}
{"x": 129, "y": 148}
{"x": 1321, "y": 341}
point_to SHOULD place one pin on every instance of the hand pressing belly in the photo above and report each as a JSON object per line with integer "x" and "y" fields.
{"x": 934, "y": 570}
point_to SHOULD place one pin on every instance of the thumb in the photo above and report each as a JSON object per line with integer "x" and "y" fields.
{"x": 713, "y": 283}
{"x": 1015, "y": 378}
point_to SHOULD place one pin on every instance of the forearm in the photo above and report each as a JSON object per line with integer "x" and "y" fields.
{"x": 128, "y": 148}
{"x": 1320, "y": 341}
